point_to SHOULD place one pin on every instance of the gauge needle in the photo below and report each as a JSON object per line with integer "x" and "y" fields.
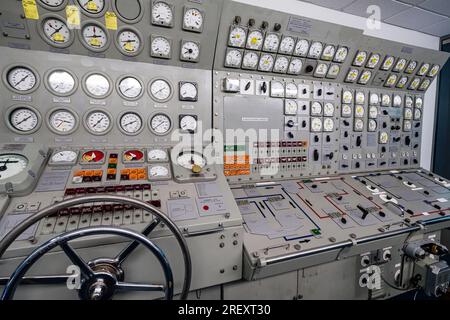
{"x": 130, "y": 123}
{"x": 161, "y": 123}
{"x": 98, "y": 122}
{"x": 23, "y": 79}
{"x": 26, "y": 119}
{"x": 56, "y": 30}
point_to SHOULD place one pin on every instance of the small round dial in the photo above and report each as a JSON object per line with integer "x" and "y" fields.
{"x": 272, "y": 42}
{"x": 347, "y": 97}
{"x": 316, "y": 108}
{"x": 250, "y": 60}
{"x": 188, "y": 91}
{"x": 131, "y": 123}
{"x": 233, "y": 59}
{"x": 188, "y": 123}
{"x": 397, "y": 101}
{"x": 132, "y": 156}
{"x": 190, "y": 159}
{"x": 373, "y": 112}
{"x": 291, "y": 90}
{"x": 417, "y": 114}
{"x": 56, "y": 31}
{"x": 94, "y": 36}
{"x": 61, "y": 82}
{"x": 328, "y": 124}
{"x": 193, "y": 19}
{"x": 62, "y": 121}
{"x": 65, "y": 156}
{"x": 11, "y": 165}
{"x": 287, "y": 45}
{"x": 374, "y": 98}
{"x": 400, "y": 65}
{"x": 409, "y": 103}
{"x": 419, "y": 102}
{"x": 97, "y": 85}
{"x": 315, "y": 50}
{"x": 360, "y": 97}
{"x": 316, "y": 124}
{"x": 266, "y": 63}
{"x": 360, "y": 58}
{"x": 237, "y": 37}
{"x": 130, "y": 88}
{"x": 341, "y": 54}
{"x": 412, "y": 65}
{"x": 408, "y": 113}
{"x": 255, "y": 40}
{"x": 281, "y": 64}
{"x": 359, "y": 111}
{"x": 160, "y": 47}
{"x": 352, "y": 75}
{"x": 359, "y": 125}
{"x": 328, "y": 52}
{"x": 22, "y": 79}
{"x": 129, "y": 42}
{"x": 24, "y": 120}
{"x": 290, "y": 107}
{"x": 372, "y": 125}
{"x": 346, "y": 110}
{"x": 162, "y": 14}
{"x": 52, "y": 3}
{"x": 158, "y": 172}
{"x": 384, "y": 137}
{"x": 160, "y": 90}
{"x": 301, "y": 48}
{"x": 295, "y": 67}
{"x": 190, "y": 51}
{"x": 388, "y": 63}
{"x": 92, "y": 6}
{"x": 160, "y": 124}
{"x": 328, "y": 109}
{"x": 98, "y": 122}
{"x": 373, "y": 61}
{"x": 386, "y": 100}
{"x": 157, "y": 155}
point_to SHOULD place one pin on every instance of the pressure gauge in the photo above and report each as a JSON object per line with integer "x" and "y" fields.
{"x": 423, "y": 69}
{"x": 97, "y": 85}
{"x": 360, "y": 97}
{"x": 287, "y": 45}
{"x": 352, "y": 75}
{"x": 281, "y": 64}
{"x": 237, "y": 37}
{"x": 188, "y": 91}
{"x": 434, "y": 70}
{"x": 397, "y": 102}
{"x": 160, "y": 90}
{"x": 290, "y": 107}
{"x": 276, "y": 89}
{"x": 161, "y": 47}
{"x": 328, "y": 109}
{"x": 266, "y": 63}
{"x": 407, "y": 125}
{"x": 250, "y": 61}
{"x": 158, "y": 172}
{"x": 191, "y": 159}
{"x": 383, "y": 138}
{"x": 315, "y": 50}
{"x": 98, "y": 122}
{"x": 61, "y": 82}
{"x": 373, "y": 112}
{"x": 92, "y": 6}
{"x": 11, "y": 165}
{"x": 255, "y": 40}
{"x": 316, "y": 108}
{"x": 386, "y": 100}
{"x": 402, "y": 82}
{"x": 425, "y": 84}
{"x": 92, "y": 156}
{"x": 130, "y": 88}
{"x": 408, "y": 114}
{"x": 233, "y": 58}
{"x": 358, "y": 125}
{"x": 193, "y": 20}
{"x": 347, "y": 97}
{"x": 316, "y": 124}
{"x": 291, "y": 90}
{"x": 417, "y": 114}
{"x": 295, "y": 67}
{"x": 62, "y": 121}
{"x": 56, "y": 32}
{"x": 373, "y": 61}
{"x": 52, "y": 3}
{"x": 272, "y": 42}
{"x": 390, "y": 81}
{"x": 333, "y": 71}
{"x": 188, "y": 123}
{"x": 409, "y": 103}
{"x": 157, "y": 155}
{"x": 130, "y": 156}
{"x": 374, "y": 99}
{"x": 328, "y": 125}
{"x": 24, "y": 120}
{"x": 301, "y": 48}
{"x": 365, "y": 77}
{"x": 130, "y": 123}
{"x": 190, "y": 51}
{"x": 412, "y": 65}
{"x": 346, "y": 111}
{"x": 160, "y": 124}
{"x": 162, "y": 14}
{"x": 419, "y": 102}
{"x": 341, "y": 54}
{"x": 129, "y": 42}
{"x": 400, "y": 65}
{"x": 414, "y": 84}
{"x": 65, "y": 156}
{"x": 22, "y": 79}
{"x": 359, "y": 111}
{"x": 94, "y": 37}
{"x": 360, "y": 58}
{"x": 321, "y": 70}
{"x": 328, "y": 52}
{"x": 387, "y": 63}
{"x": 372, "y": 125}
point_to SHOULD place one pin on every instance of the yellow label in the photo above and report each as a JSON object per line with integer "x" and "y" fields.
{"x": 30, "y": 9}
{"x": 58, "y": 37}
{"x": 73, "y": 17}
{"x": 111, "y": 20}
{"x": 91, "y": 6}
{"x": 129, "y": 47}
{"x": 95, "y": 42}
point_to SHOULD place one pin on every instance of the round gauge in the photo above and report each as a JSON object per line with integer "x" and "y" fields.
{"x": 93, "y": 156}
{"x": 352, "y": 75}
{"x": 162, "y": 14}
{"x": 414, "y": 84}
{"x": 24, "y": 120}
{"x": 365, "y": 77}
{"x": 250, "y": 60}
{"x": 11, "y": 165}
{"x": 233, "y": 59}
{"x": 98, "y": 122}
{"x": 272, "y": 42}
{"x": 400, "y": 65}
{"x": 360, "y": 97}
{"x": 61, "y": 82}
{"x": 425, "y": 84}
{"x": 360, "y": 58}
{"x": 158, "y": 172}
{"x": 266, "y": 63}
{"x": 316, "y": 124}
{"x": 372, "y": 126}
{"x": 130, "y": 123}
{"x": 129, "y": 42}
{"x": 281, "y": 64}
{"x": 301, "y": 48}
{"x": 130, "y": 88}
{"x": 92, "y": 6}
{"x": 407, "y": 125}
{"x": 157, "y": 155}
{"x": 434, "y": 70}
{"x": 22, "y": 79}
{"x": 190, "y": 51}
{"x": 341, "y": 54}
{"x": 412, "y": 65}
{"x": 386, "y": 100}
{"x": 359, "y": 111}
{"x": 188, "y": 91}
{"x": 333, "y": 71}
{"x": 316, "y": 108}
{"x": 237, "y": 37}
{"x": 417, "y": 114}
{"x": 346, "y": 110}
{"x": 291, "y": 90}
{"x": 391, "y": 80}
{"x": 315, "y": 50}
{"x": 328, "y": 109}
{"x": 321, "y": 70}
{"x": 328, "y": 125}
{"x": 133, "y": 156}
{"x": 255, "y": 40}
{"x": 347, "y": 97}
{"x": 97, "y": 85}
{"x": 62, "y": 121}
{"x": 328, "y": 52}
{"x": 65, "y": 156}
{"x": 373, "y": 61}
{"x": 419, "y": 102}
{"x": 277, "y": 89}
{"x": 160, "y": 90}
{"x": 384, "y": 137}
{"x": 193, "y": 20}
{"x": 160, "y": 47}
{"x": 423, "y": 69}
{"x": 56, "y": 32}
{"x": 189, "y": 160}
{"x": 287, "y": 45}
{"x": 188, "y": 123}
{"x": 160, "y": 124}
{"x": 387, "y": 64}
{"x": 373, "y": 112}
{"x": 402, "y": 82}
{"x": 94, "y": 37}
{"x": 290, "y": 107}
{"x": 409, "y": 103}
{"x": 52, "y": 3}
{"x": 295, "y": 67}
{"x": 374, "y": 98}
{"x": 397, "y": 102}
{"x": 408, "y": 115}
{"x": 359, "y": 125}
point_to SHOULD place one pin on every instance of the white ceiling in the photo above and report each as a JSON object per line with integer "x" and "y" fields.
{"x": 428, "y": 16}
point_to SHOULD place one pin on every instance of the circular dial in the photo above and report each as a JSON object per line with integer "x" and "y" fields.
{"x": 408, "y": 114}
{"x": 61, "y": 82}
{"x": 129, "y": 42}
{"x": 341, "y": 54}
{"x": 372, "y": 126}
{"x": 291, "y": 90}
{"x": 188, "y": 123}
{"x": 56, "y": 31}
{"x": 160, "y": 124}
{"x": 315, "y": 50}
{"x": 162, "y": 14}
{"x": 384, "y": 137}
{"x": 316, "y": 108}
{"x": 233, "y": 58}
{"x": 359, "y": 125}
{"x": 188, "y": 91}
{"x": 22, "y": 79}
{"x": 255, "y": 40}
{"x": 328, "y": 52}
{"x": 407, "y": 125}
{"x": 301, "y": 48}
{"x": 93, "y": 156}
{"x": 266, "y": 62}
{"x": 250, "y": 60}
{"x": 287, "y": 45}
{"x": 157, "y": 155}
{"x": 346, "y": 110}
{"x": 328, "y": 124}
{"x": 290, "y": 107}
{"x": 94, "y": 36}
{"x": 281, "y": 64}
{"x": 295, "y": 67}
{"x": 133, "y": 155}
{"x": 374, "y": 98}
{"x": 397, "y": 101}
{"x": 193, "y": 19}
{"x": 417, "y": 114}
{"x": 360, "y": 58}
{"x": 160, "y": 47}
{"x": 360, "y": 97}
{"x": 160, "y": 90}
{"x": 359, "y": 111}
{"x": 158, "y": 172}
{"x": 190, "y": 159}
{"x": 388, "y": 62}
{"x": 64, "y": 156}
{"x": 52, "y": 3}
{"x": 386, "y": 100}
{"x": 97, "y": 85}
{"x": 316, "y": 124}
{"x": 130, "y": 87}
{"x": 62, "y": 121}
{"x": 11, "y": 165}
{"x": 190, "y": 51}
{"x": 271, "y": 43}
{"x": 419, "y": 102}
{"x": 98, "y": 122}
{"x": 373, "y": 61}
{"x": 373, "y": 112}
{"x": 92, "y": 6}
{"x": 24, "y": 119}
{"x": 131, "y": 123}
{"x": 237, "y": 37}
{"x": 328, "y": 109}
{"x": 347, "y": 97}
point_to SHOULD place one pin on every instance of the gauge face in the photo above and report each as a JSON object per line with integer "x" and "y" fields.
{"x": 316, "y": 108}
{"x": 193, "y": 20}
{"x": 290, "y": 107}
{"x": 347, "y": 97}
{"x": 160, "y": 124}
{"x": 316, "y": 124}
{"x": 400, "y": 65}
{"x": 423, "y": 69}
{"x": 301, "y": 48}
{"x": 328, "y": 125}
{"x": 384, "y": 137}
{"x": 62, "y": 121}
{"x": 24, "y": 120}
{"x": 397, "y": 101}
{"x": 409, "y": 103}
{"x": 281, "y": 64}
{"x": 276, "y": 89}
{"x": 92, "y": 6}
{"x": 315, "y": 50}
{"x": 66, "y": 156}
{"x": 287, "y": 45}
{"x": 359, "y": 111}
{"x": 129, "y": 42}
{"x": 419, "y": 102}
{"x": 61, "y": 82}
{"x": 131, "y": 123}
{"x": 130, "y": 88}
{"x": 188, "y": 91}
{"x": 266, "y": 63}
{"x": 158, "y": 172}
{"x": 188, "y": 123}
{"x": 190, "y": 51}
{"x": 162, "y": 14}
{"x": 97, "y": 85}
{"x": 190, "y": 159}
{"x": 56, "y": 31}
{"x": 391, "y": 80}
{"x": 374, "y": 98}
{"x": 291, "y": 90}
{"x": 237, "y": 37}
{"x": 360, "y": 97}
{"x": 52, "y": 3}
{"x": 157, "y": 155}
{"x": 373, "y": 61}
{"x": 359, "y": 125}
{"x": 360, "y": 58}
{"x": 22, "y": 79}
{"x": 408, "y": 114}
{"x": 402, "y": 82}
{"x": 160, "y": 47}
{"x": 321, "y": 70}
{"x": 372, "y": 126}
{"x": 346, "y": 110}
{"x": 94, "y": 36}
{"x": 328, "y": 52}
{"x": 425, "y": 84}
{"x": 98, "y": 122}
{"x": 272, "y": 42}
{"x": 328, "y": 109}
{"x": 373, "y": 112}
{"x": 233, "y": 59}
{"x": 414, "y": 84}
{"x": 352, "y": 75}
{"x": 386, "y": 100}
{"x": 93, "y": 156}
{"x": 11, "y": 165}
{"x": 407, "y": 125}
{"x": 295, "y": 67}
{"x": 388, "y": 63}
{"x": 417, "y": 114}
{"x": 250, "y": 60}
{"x": 133, "y": 156}
{"x": 341, "y": 54}
{"x": 434, "y": 70}
{"x": 365, "y": 77}
{"x": 412, "y": 65}
{"x": 255, "y": 40}
{"x": 160, "y": 90}
{"x": 333, "y": 71}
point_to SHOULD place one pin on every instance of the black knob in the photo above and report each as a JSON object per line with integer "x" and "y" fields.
{"x": 382, "y": 214}
{"x": 316, "y": 155}
{"x": 316, "y": 138}
{"x": 357, "y": 165}
{"x": 346, "y": 123}
{"x": 304, "y": 124}
{"x": 237, "y": 19}
{"x": 290, "y": 135}
{"x": 346, "y": 134}
{"x": 264, "y": 25}
{"x": 251, "y": 22}
{"x": 358, "y": 141}
{"x": 328, "y": 138}
{"x": 319, "y": 92}
{"x": 408, "y": 140}
{"x": 290, "y": 123}
{"x": 417, "y": 124}
{"x": 309, "y": 68}
{"x": 383, "y": 149}
{"x": 345, "y": 147}
{"x": 330, "y": 155}
{"x": 277, "y": 27}
{"x": 343, "y": 220}
{"x": 384, "y": 125}
{"x": 264, "y": 87}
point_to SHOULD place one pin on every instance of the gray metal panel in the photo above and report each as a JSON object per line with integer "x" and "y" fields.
{"x": 388, "y": 8}
{"x": 415, "y": 18}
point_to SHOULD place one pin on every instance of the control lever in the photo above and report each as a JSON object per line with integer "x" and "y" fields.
{"x": 264, "y": 87}
{"x": 330, "y": 155}
{"x": 364, "y": 211}
{"x": 316, "y": 155}
{"x": 358, "y": 141}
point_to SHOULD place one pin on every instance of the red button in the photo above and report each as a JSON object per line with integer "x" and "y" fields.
{"x": 206, "y": 208}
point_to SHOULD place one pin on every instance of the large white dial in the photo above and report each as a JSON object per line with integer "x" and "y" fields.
{"x": 266, "y": 63}
{"x": 130, "y": 88}
{"x": 250, "y": 60}
{"x": 233, "y": 58}
{"x": 155, "y": 155}
{"x": 160, "y": 124}
{"x": 315, "y": 50}
{"x": 272, "y": 42}
{"x": 255, "y": 40}
{"x": 237, "y": 37}
{"x": 65, "y": 156}
{"x": 98, "y": 122}
{"x": 301, "y": 48}
{"x": 11, "y": 165}
{"x": 61, "y": 82}
{"x": 62, "y": 121}
{"x": 281, "y": 64}
{"x": 190, "y": 159}
{"x": 295, "y": 67}
{"x": 188, "y": 91}
{"x": 287, "y": 45}
{"x": 193, "y": 20}
{"x": 160, "y": 47}
{"x": 97, "y": 85}
{"x": 160, "y": 90}
{"x": 129, "y": 42}
{"x": 131, "y": 123}
{"x": 190, "y": 51}
{"x": 92, "y": 6}
{"x": 188, "y": 123}
{"x": 24, "y": 119}
{"x": 22, "y": 79}
{"x": 162, "y": 14}
{"x": 94, "y": 36}
{"x": 56, "y": 31}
